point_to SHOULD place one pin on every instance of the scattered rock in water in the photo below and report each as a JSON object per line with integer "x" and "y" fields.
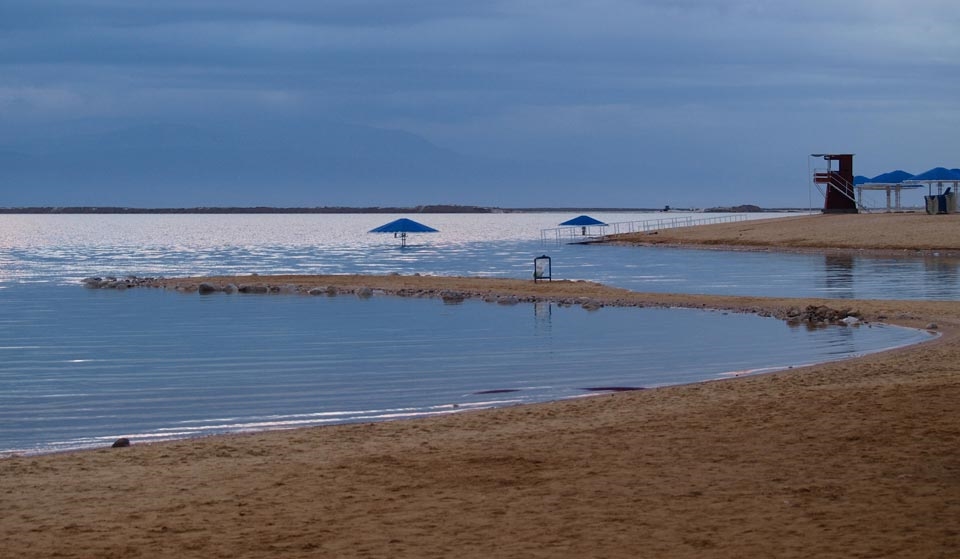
{"x": 111, "y": 282}
{"x": 817, "y": 314}
{"x": 246, "y": 288}
{"x": 452, "y": 297}
{"x": 229, "y": 288}
{"x": 121, "y": 442}
{"x": 932, "y": 326}
{"x": 591, "y": 305}
{"x": 508, "y": 300}
{"x": 364, "y": 293}
{"x": 207, "y": 288}
{"x": 332, "y": 291}
{"x": 317, "y": 291}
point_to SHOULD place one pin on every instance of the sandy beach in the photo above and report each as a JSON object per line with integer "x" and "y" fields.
{"x": 857, "y": 458}
{"x": 892, "y": 233}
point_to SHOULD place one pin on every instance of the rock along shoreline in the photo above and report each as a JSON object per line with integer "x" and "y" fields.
{"x": 809, "y": 314}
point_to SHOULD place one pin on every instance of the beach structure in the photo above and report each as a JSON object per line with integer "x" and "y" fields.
{"x": 400, "y": 228}
{"x": 893, "y": 190}
{"x": 836, "y": 185}
{"x": 944, "y": 201}
{"x": 942, "y": 185}
{"x": 571, "y": 234}
{"x": 584, "y": 222}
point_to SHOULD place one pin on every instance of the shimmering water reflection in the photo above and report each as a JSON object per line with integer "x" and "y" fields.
{"x": 80, "y": 368}
{"x": 66, "y": 248}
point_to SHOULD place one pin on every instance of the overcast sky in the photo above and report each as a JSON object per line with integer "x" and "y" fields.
{"x": 592, "y": 103}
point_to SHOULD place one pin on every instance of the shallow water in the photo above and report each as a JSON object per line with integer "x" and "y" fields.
{"x": 79, "y": 368}
{"x": 151, "y": 364}
{"x": 65, "y": 248}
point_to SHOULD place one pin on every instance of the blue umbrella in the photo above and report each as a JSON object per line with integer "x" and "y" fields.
{"x": 400, "y": 227}
{"x": 583, "y": 220}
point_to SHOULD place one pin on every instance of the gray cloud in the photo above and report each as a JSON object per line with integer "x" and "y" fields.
{"x": 692, "y": 92}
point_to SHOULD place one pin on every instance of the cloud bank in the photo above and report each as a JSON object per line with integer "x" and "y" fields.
{"x": 610, "y": 102}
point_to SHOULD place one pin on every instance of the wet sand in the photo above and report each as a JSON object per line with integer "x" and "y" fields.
{"x": 859, "y": 458}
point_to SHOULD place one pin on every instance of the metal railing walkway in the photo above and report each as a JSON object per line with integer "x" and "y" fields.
{"x": 576, "y": 234}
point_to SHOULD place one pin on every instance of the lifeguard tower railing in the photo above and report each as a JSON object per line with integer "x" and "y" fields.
{"x": 574, "y": 234}
{"x": 830, "y": 182}
{"x": 867, "y": 198}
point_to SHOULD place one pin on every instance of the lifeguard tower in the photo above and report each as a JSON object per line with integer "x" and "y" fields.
{"x": 838, "y": 190}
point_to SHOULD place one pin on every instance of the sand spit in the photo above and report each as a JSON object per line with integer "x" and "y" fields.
{"x": 505, "y": 291}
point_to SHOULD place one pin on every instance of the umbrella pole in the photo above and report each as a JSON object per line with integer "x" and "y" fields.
{"x": 403, "y": 240}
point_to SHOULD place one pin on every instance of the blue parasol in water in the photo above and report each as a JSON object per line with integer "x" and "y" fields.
{"x": 583, "y": 221}
{"x": 400, "y": 228}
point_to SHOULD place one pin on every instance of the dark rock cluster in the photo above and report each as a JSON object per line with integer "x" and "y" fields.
{"x": 112, "y": 282}
{"x": 823, "y": 314}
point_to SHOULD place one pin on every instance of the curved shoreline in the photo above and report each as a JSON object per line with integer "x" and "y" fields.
{"x": 855, "y": 457}
{"x": 454, "y": 289}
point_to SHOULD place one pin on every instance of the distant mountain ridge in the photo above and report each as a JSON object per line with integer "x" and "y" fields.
{"x": 255, "y": 162}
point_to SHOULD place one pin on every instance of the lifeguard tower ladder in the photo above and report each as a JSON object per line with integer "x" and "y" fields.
{"x": 839, "y": 196}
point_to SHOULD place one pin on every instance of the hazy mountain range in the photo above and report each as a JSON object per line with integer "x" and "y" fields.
{"x": 273, "y": 162}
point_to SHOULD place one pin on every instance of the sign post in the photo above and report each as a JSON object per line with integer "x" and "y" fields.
{"x": 542, "y": 268}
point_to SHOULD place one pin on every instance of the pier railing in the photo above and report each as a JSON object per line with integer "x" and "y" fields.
{"x": 576, "y": 234}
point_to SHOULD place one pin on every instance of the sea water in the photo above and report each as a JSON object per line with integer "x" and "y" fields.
{"x": 62, "y": 249}
{"x": 80, "y": 367}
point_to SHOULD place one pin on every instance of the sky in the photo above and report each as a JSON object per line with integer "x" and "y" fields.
{"x": 513, "y": 103}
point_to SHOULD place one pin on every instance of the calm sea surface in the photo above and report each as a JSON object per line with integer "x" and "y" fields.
{"x": 79, "y": 368}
